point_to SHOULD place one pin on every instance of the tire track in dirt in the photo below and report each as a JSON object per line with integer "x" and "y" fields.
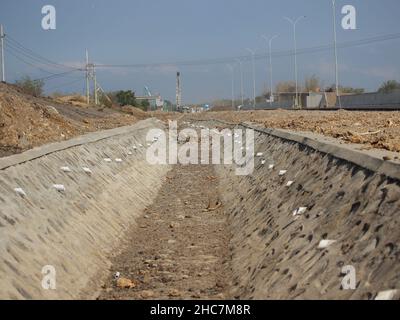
{"x": 179, "y": 248}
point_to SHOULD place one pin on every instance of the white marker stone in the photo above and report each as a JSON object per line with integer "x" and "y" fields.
{"x": 87, "y": 170}
{"x": 386, "y": 295}
{"x": 20, "y": 191}
{"x": 134, "y": 147}
{"x": 263, "y": 162}
{"x": 282, "y": 172}
{"x": 66, "y": 169}
{"x": 271, "y": 166}
{"x": 289, "y": 184}
{"x": 299, "y": 211}
{"x": 129, "y": 153}
{"x": 118, "y": 160}
{"x": 260, "y": 154}
{"x": 323, "y": 244}
{"x": 107, "y": 160}
{"x": 59, "y": 187}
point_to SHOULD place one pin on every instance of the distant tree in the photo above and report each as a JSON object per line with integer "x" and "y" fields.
{"x": 29, "y": 86}
{"x": 125, "y": 98}
{"x": 145, "y": 105}
{"x": 286, "y": 87}
{"x": 312, "y": 84}
{"x": 345, "y": 90}
{"x": 351, "y": 90}
{"x": 389, "y": 86}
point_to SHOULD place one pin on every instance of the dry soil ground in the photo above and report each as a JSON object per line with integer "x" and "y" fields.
{"x": 373, "y": 129}
{"x": 180, "y": 247}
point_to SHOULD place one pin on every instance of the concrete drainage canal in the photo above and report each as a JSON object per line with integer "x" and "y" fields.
{"x": 313, "y": 220}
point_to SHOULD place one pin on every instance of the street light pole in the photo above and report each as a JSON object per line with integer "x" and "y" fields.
{"x": 233, "y": 85}
{"x": 241, "y": 80}
{"x": 294, "y": 23}
{"x": 271, "y": 98}
{"x": 254, "y": 76}
{"x": 336, "y": 52}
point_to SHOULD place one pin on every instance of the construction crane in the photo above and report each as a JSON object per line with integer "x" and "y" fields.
{"x": 155, "y": 100}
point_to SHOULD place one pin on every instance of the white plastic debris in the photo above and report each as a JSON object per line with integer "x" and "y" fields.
{"x": 59, "y": 187}
{"x": 66, "y": 169}
{"x": 117, "y": 275}
{"x": 118, "y": 160}
{"x": 271, "y": 166}
{"x": 323, "y": 244}
{"x": 107, "y": 160}
{"x": 282, "y": 172}
{"x": 87, "y": 170}
{"x": 289, "y": 184}
{"x": 386, "y": 295}
{"x": 299, "y": 211}
{"x": 20, "y": 191}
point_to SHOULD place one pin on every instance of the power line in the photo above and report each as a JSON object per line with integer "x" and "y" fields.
{"x": 23, "y": 54}
{"x": 33, "y": 55}
{"x": 12, "y": 53}
{"x": 51, "y": 75}
{"x": 277, "y": 54}
{"x": 56, "y": 75}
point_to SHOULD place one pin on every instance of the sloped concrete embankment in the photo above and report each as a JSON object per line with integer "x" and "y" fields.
{"x": 74, "y": 230}
{"x": 275, "y": 254}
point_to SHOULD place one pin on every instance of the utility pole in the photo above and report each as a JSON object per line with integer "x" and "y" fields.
{"x": 233, "y": 85}
{"x": 91, "y": 75}
{"x": 241, "y": 79}
{"x": 87, "y": 78}
{"x": 336, "y": 53}
{"x": 96, "y": 100}
{"x": 3, "y": 73}
{"x": 178, "y": 91}
{"x": 254, "y": 76}
{"x": 294, "y": 23}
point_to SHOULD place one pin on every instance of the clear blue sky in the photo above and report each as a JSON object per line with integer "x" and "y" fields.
{"x": 153, "y": 31}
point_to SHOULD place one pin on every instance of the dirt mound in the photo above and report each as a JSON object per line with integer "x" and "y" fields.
{"x": 76, "y": 100}
{"x": 136, "y": 112}
{"x": 24, "y": 123}
{"x": 27, "y": 121}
